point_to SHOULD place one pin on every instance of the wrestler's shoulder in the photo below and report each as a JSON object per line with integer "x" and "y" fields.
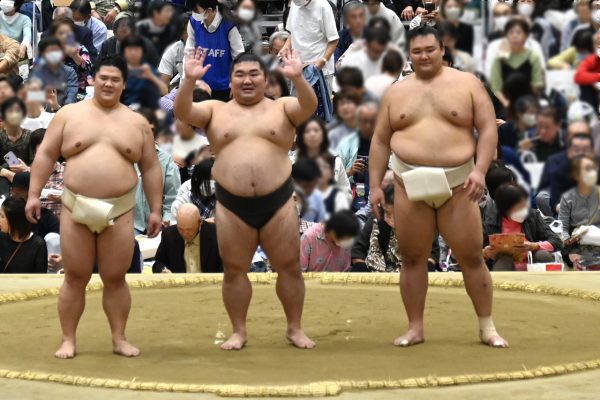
{"x": 462, "y": 77}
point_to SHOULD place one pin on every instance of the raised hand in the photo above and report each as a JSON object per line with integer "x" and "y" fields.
{"x": 292, "y": 66}
{"x": 194, "y": 64}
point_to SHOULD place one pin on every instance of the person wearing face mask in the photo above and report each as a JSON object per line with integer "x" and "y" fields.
{"x": 451, "y": 11}
{"x": 82, "y": 16}
{"x": 13, "y": 138}
{"x": 582, "y": 47}
{"x": 159, "y": 27}
{"x": 513, "y": 216}
{"x": 327, "y": 246}
{"x": 501, "y": 13}
{"x": 16, "y": 25}
{"x": 213, "y": 27}
{"x": 246, "y": 11}
{"x": 579, "y": 206}
{"x": 199, "y": 191}
{"x": 518, "y": 62}
{"x": 50, "y": 70}
{"x": 524, "y": 118}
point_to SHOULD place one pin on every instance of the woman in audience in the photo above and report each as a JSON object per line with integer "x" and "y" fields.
{"x": 77, "y": 56}
{"x": 580, "y": 205}
{"x": 15, "y": 25}
{"x": 541, "y": 29}
{"x": 451, "y": 11}
{"x": 246, "y": 11}
{"x": 13, "y": 138}
{"x": 512, "y": 216}
{"x": 276, "y": 86}
{"x": 582, "y": 47}
{"x": 525, "y": 110}
{"x": 199, "y": 190}
{"x": 21, "y": 252}
{"x": 311, "y": 141}
{"x": 345, "y": 119}
{"x": 520, "y": 62}
{"x": 333, "y": 196}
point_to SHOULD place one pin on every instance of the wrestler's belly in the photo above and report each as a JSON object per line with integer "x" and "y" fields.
{"x": 434, "y": 144}
{"x": 251, "y": 166}
{"x": 99, "y": 172}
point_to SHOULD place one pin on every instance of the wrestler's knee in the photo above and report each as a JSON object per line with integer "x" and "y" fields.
{"x": 470, "y": 260}
{"x": 112, "y": 277}
{"x": 413, "y": 260}
{"x": 77, "y": 276}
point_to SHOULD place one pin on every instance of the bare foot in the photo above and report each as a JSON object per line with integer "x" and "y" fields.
{"x": 299, "y": 339}
{"x": 126, "y": 349}
{"x": 236, "y": 341}
{"x": 411, "y": 338}
{"x": 496, "y": 341}
{"x": 66, "y": 350}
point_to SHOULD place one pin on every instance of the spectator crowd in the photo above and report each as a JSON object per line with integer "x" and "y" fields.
{"x": 539, "y": 61}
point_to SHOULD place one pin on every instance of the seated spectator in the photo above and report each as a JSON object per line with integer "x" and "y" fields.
{"x": 571, "y": 57}
{"x": 463, "y": 33}
{"x": 588, "y": 75}
{"x": 277, "y": 86}
{"x": 545, "y": 140}
{"x": 375, "y": 8}
{"x": 83, "y": 35}
{"x": 583, "y": 17}
{"x": 532, "y": 11}
{"x": 109, "y": 11}
{"x": 143, "y": 87}
{"x": 555, "y": 178}
{"x": 171, "y": 63}
{"x": 498, "y": 174}
{"x": 460, "y": 59}
{"x": 77, "y": 56}
{"x": 520, "y": 61}
{"x": 369, "y": 58}
{"x": 37, "y": 117}
{"x": 513, "y": 215}
{"x": 326, "y": 247}
{"x": 7, "y": 89}
{"x": 13, "y": 138}
{"x": 51, "y": 201}
{"x": 391, "y": 68}
{"x": 306, "y": 174}
{"x": 157, "y": 27}
{"x": 202, "y": 92}
{"x": 53, "y": 74}
{"x": 579, "y": 206}
{"x": 526, "y": 110}
{"x": 344, "y": 118}
{"x": 312, "y": 141}
{"x": 351, "y": 81}
{"x": 48, "y": 222}
{"x": 336, "y": 198}
{"x": 199, "y": 191}
{"x": 276, "y": 42}
{"x": 408, "y": 8}
{"x": 164, "y": 140}
{"x": 188, "y": 247}
{"x": 82, "y": 16}
{"x": 21, "y": 252}
{"x": 9, "y": 55}
{"x": 16, "y": 26}
{"x": 355, "y": 20}
{"x": 186, "y": 143}
{"x": 123, "y": 28}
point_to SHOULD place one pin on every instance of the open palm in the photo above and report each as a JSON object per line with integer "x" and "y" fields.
{"x": 194, "y": 64}
{"x": 292, "y": 65}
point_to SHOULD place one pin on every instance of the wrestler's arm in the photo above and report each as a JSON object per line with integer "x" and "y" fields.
{"x": 152, "y": 177}
{"x": 47, "y": 154}
{"x": 484, "y": 119}
{"x": 196, "y": 114}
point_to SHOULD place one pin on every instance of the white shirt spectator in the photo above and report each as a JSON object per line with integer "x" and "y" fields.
{"x": 361, "y": 60}
{"x": 378, "y": 84}
{"x": 398, "y": 33}
{"x": 182, "y": 148}
{"x": 171, "y": 63}
{"x": 312, "y": 27}
{"x": 40, "y": 122}
{"x": 495, "y": 47}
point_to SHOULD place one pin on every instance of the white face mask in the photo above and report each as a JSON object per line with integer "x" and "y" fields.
{"x": 246, "y": 14}
{"x": 79, "y": 23}
{"x": 198, "y": 17}
{"x": 500, "y": 22}
{"x": 453, "y": 14}
{"x": 521, "y": 215}
{"x": 529, "y": 120}
{"x": 525, "y": 9}
{"x": 7, "y": 6}
{"x": 590, "y": 178}
{"x": 345, "y": 243}
{"x": 596, "y": 16}
{"x": 300, "y": 3}
{"x": 54, "y": 57}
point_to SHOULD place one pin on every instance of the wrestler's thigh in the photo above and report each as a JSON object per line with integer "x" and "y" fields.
{"x": 459, "y": 222}
{"x": 280, "y": 237}
{"x": 237, "y": 240}
{"x": 415, "y": 227}
{"x": 77, "y": 247}
{"x": 115, "y": 247}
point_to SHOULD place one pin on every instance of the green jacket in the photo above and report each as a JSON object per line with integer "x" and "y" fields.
{"x": 172, "y": 182}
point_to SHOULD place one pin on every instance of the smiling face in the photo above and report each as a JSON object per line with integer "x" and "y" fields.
{"x": 248, "y": 83}
{"x": 108, "y": 86}
{"x": 426, "y": 54}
